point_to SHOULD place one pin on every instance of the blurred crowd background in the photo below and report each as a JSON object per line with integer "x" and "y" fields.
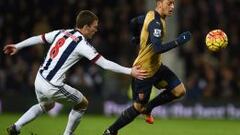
{"x": 208, "y": 76}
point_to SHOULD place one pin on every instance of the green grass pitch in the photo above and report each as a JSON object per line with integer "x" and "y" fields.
{"x": 94, "y": 125}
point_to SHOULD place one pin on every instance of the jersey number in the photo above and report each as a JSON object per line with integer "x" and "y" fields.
{"x": 54, "y": 51}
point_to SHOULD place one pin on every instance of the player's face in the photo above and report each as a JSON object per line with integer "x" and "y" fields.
{"x": 92, "y": 29}
{"x": 167, "y": 7}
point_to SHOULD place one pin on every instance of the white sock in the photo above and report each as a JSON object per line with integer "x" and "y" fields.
{"x": 73, "y": 121}
{"x": 28, "y": 116}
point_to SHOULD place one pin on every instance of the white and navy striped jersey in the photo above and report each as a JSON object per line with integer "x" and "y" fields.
{"x": 67, "y": 48}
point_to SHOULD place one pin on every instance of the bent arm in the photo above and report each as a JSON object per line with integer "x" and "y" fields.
{"x": 135, "y": 28}
{"x": 136, "y": 25}
{"x": 155, "y": 32}
{"x": 158, "y": 47}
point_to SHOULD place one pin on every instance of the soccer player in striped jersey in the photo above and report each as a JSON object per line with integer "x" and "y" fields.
{"x": 66, "y": 48}
{"x": 148, "y": 31}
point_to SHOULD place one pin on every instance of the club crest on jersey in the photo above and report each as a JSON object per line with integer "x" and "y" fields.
{"x": 157, "y": 32}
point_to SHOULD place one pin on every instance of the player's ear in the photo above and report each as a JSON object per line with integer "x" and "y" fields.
{"x": 85, "y": 26}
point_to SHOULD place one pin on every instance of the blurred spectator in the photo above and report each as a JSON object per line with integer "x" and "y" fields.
{"x": 218, "y": 72}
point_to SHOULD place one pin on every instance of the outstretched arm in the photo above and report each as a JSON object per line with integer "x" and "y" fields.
{"x": 109, "y": 65}
{"x": 90, "y": 53}
{"x": 48, "y": 38}
{"x": 12, "y": 49}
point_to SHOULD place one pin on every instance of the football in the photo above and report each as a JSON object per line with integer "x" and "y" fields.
{"x": 216, "y": 40}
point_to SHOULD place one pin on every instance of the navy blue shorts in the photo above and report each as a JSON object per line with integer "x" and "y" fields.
{"x": 164, "y": 78}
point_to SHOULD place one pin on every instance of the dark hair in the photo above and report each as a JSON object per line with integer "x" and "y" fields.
{"x": 85, "y": 17}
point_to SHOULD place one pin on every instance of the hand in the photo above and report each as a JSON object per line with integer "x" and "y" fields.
{"x": 10, "y": 49}
{"x": 183, "y": 38}
{"x": 138, "y": 73}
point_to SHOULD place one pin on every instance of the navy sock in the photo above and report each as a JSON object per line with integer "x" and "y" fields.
{"x": 125, "y": 118}
{"x": 162, "y": 98}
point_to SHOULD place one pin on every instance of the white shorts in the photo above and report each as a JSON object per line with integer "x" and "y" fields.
{"x": 46, "y": 92}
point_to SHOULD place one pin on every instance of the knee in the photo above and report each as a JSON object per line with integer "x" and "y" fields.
{"x": 47, "y": 106}
{"x": 139, "y": 107}
{"x": 82, "y": 105}
{"x": 179, "y": 91}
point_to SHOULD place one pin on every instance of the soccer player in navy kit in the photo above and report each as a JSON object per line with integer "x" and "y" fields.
{"x": 66, "y": 48}
{"x": 149, "y": 31}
